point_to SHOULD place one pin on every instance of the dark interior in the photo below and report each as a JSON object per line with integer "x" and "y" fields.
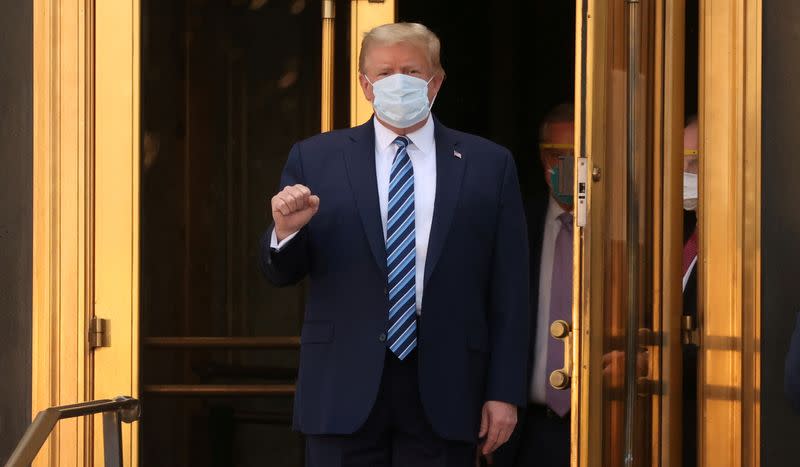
{"x": 780, "y": 227}
{"x": 507, "y": 65}
{"x": 227, "y": 87}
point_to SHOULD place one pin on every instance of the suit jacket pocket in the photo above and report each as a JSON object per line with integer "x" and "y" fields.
{"x": 316, "y": 332}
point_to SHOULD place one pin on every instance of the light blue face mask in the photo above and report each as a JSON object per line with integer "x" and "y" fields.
{"x": 689, "y": 191}
{"x": 401, "y": 100}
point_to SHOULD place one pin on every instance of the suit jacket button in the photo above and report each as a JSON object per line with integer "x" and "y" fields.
{"x": 385, "y": 291}
{"x": 382, "y": 338}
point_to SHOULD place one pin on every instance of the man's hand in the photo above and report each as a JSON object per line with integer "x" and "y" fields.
{"x": 292, "y": 209}
{"x": 498, "y": 420}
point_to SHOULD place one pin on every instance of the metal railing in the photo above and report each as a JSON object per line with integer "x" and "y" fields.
{"x": 121, "y": 409}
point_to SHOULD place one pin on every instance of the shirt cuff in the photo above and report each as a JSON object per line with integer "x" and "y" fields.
{"x": 278, "y": 246}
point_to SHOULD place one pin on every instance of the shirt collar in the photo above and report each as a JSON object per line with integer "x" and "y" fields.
{"x": 553, "y": 210}
{"x": 422, "y": 139}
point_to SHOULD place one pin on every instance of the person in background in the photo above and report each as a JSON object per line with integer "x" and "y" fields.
{"x": 543, "y": 436}
{"x": 375, "y": 217}
{"x": 691, "y": 157}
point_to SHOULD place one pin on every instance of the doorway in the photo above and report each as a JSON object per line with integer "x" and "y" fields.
{"x": 227, "y": 87}
{"x": 508, "y": 64}
{"x": 110, "y": 218}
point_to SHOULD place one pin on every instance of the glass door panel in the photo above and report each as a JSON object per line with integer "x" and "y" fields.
{"x": 227, "y": 87}
{"x": 626, "y": 309}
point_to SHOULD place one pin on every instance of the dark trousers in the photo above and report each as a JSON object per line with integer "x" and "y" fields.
{"x": 396, "y": 433}
{"x": 540, "y": 440}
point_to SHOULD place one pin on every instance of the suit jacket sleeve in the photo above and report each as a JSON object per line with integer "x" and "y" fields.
{"x": 509, "y": 311}
{"x": 792, "y": 377}
{"x": 289, "y": 265}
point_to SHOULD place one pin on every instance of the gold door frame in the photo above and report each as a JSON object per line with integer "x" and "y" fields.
{"x": 594, "y": 25}
{"x": 364, "y": 15}
{"x": 730, "y": 232}
{"x": 730, "y": 182}
{"x": 61, "y": 206}
{"x": 86, "y": 214}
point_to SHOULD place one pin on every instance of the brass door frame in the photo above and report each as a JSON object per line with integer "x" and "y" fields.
{"x": 668, "y": 365}
{"x": 63, "y": 216}
{"x": 364, "y": 15}
{"x": 593, "y": 25}
{"x": 730, "y": 232}
{"x": 730, "y": 190}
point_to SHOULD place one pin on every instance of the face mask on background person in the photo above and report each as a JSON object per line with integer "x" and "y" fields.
{"x": 689, "y": 191}
{"x": 561, "y": 174}
{"x": 562, "y": 178}
{"x": 401, "y": 100}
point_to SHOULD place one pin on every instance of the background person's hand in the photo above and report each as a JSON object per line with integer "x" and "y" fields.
{"x": 614, "y": 366}
{"x": 498, "y": 420}
{"x": 292, "y": 209}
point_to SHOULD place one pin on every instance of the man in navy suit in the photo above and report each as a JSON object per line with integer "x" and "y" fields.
{"x": 413, "y": 238}
{"x": 793, "y": 369}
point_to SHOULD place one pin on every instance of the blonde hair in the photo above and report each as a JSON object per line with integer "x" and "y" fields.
{"x": 411, "y": 33}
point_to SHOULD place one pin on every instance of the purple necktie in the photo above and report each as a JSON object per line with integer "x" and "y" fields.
{"x": 560, "y": 308}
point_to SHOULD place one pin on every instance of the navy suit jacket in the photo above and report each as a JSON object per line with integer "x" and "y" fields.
{"x": 473, "y": 331}
{"x": 793, "y": 368}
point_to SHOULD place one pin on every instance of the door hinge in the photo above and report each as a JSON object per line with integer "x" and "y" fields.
{"x": 99, "y": 333}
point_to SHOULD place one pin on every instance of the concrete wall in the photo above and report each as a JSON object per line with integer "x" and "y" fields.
{"x": 780, "y": 225}
{"x": 16, "y": 226}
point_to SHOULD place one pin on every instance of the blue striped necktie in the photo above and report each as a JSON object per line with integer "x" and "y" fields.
{"x": 401, "y": 254}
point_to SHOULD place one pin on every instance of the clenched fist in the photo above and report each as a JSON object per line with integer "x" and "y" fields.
{"x": 292, "y": 209}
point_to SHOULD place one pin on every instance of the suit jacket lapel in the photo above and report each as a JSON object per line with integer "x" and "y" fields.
{"x": 450, "y": 166}
{"x": 360, "y": 161}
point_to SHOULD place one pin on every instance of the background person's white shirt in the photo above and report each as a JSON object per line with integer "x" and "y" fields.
{"x": 422, "y": 152}
{"x": 540, "y": 378}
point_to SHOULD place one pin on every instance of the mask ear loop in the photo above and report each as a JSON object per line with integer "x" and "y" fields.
{"x": 430, "y": 107}
{"x": 367, "y": 78}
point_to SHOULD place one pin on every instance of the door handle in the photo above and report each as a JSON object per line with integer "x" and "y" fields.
{"x": 560, "y": 379}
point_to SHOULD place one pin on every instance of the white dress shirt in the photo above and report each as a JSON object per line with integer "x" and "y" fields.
{"x": 422, "y": 152}
{"x": 540, "y": 378}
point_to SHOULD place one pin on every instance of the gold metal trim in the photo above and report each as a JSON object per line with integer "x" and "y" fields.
{"x": 667, "y": 358}
{"x": 116, "y": 205}
{"x": 560, "y": 379}
{"x": 220, "y": 390}
{"x": 328, "y": 9}
{"x": 288, "y": 342}
{"x": 328, "y": 63}
{"x": 61, "y": 204}
{"x": 730, "y": 194}
{"x": 556, "y": 146}
{"x": 751, "y": 251}
{"x": 364, "y": 15}
{"x": 590, "y": 54}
